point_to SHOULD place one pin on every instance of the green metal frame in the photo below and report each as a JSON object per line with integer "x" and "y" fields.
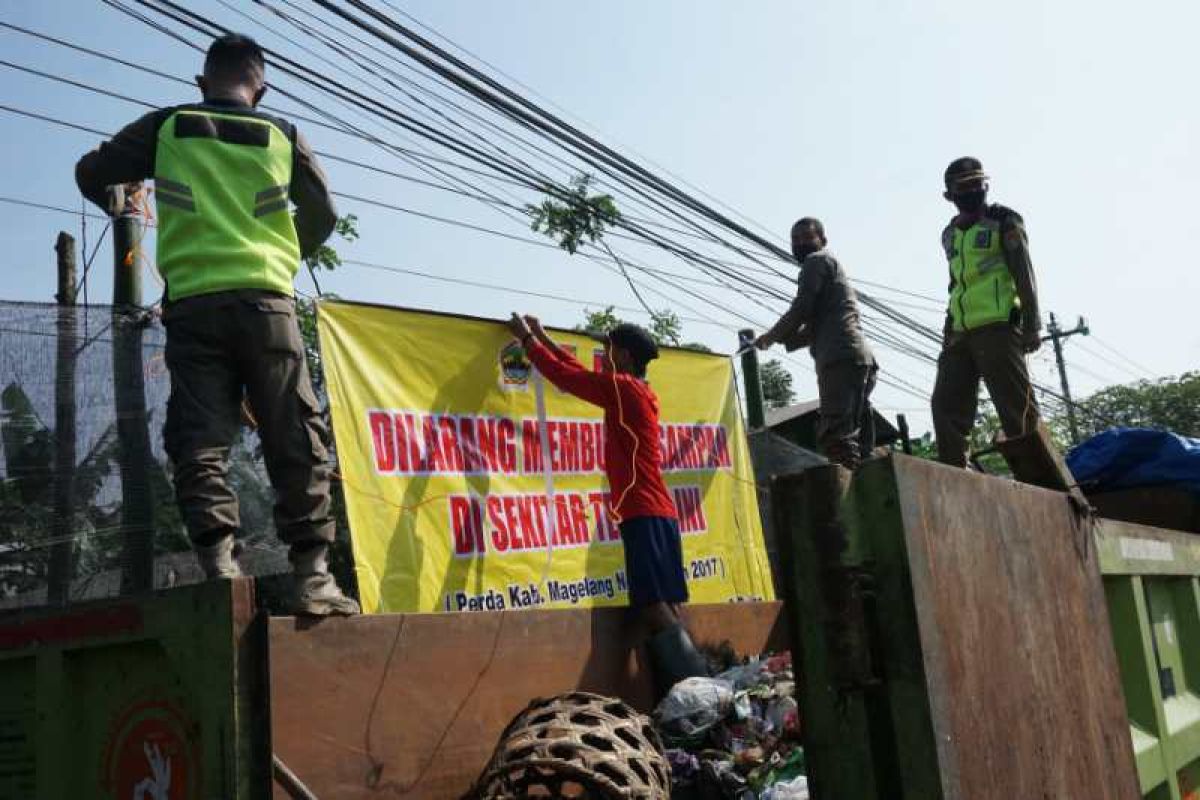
{"x": 1152, "y": 583}
{"x": 865, "y": 694}
{"x": 83, "y": 685}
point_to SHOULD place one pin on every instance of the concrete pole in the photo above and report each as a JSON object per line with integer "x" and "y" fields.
{"x": 755, "y": 417}
{"x": 1056, "y": 335}
{"x": 60, "y": 568}
{"x": 137, "y": 506}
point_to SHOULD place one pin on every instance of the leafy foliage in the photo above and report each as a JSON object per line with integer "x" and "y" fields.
{"x": 1169, "y": 403}
{"x": 575, "y": 215}
{"x": 924, "y": 447}
{"x": 776, "y": 384}
{"x": 327, "y": 258}
{"x": 578, "y": 215}
{"x": 665, "y": 327}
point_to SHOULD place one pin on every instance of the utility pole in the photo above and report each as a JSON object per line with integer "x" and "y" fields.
{"x": 1056, "y": 335}
{"x": 755, "y": 418}
{"x": 905, "y": 441}
{"x": 60, "y": 568}
{"x": 137, "y": 509}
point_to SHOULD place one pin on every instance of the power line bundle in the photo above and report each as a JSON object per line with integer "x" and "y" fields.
{"x": 465, "y": 132}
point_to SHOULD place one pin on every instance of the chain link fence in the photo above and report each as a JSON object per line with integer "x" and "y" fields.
{"x": 86, "y": 505}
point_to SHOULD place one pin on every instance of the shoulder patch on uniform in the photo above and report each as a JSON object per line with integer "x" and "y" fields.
{"x": 948, "y": 240}
{"x": 1004, "y": 215}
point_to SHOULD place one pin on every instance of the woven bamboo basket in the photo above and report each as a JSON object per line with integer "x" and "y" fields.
{"x": 577, "y": 746}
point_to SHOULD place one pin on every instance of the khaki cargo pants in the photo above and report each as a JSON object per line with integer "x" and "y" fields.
{"x": 845, "y": 421}
{"x": 993, "y": 353}
{"x": 221, "y": 347}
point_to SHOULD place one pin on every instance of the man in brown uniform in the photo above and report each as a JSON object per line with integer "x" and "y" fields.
{"x": 992, "y": 319}
{"x": 228, "y": 249}
{"x": 824, "y": 318}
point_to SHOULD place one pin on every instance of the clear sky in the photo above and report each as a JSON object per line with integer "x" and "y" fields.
{"x": 1083, "y": 113}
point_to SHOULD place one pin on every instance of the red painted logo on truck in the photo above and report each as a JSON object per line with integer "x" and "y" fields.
{"x": 152, "y": 753}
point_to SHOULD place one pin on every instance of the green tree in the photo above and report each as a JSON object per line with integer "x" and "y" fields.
{"x": 924, "y": 447}
{"x": 325, "y": 258}
{"x": 575, "y": 216}
{"x": 776, "y": 384}
{"x": 601, "y": 321}
{"x": 1168, "y": 403}
{"x": 665, "y": 327}
{"x": 570, "y": 216}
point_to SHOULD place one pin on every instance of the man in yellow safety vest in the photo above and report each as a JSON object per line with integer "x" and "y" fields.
{"x": 992, "y": 319}
{"x": 228, "y": 248}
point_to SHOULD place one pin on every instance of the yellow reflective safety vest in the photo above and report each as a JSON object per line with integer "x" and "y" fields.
{"x": 982, "y": 290}
{"x": 221, "y": 185}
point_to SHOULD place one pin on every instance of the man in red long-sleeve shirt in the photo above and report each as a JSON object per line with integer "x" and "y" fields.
{"x": 641, "y": 504}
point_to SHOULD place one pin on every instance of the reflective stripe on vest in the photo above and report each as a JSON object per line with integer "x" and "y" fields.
{"x": 221, "y": 185}
{"x": 983, "y": 292}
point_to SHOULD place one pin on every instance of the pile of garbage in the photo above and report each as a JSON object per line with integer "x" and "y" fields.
{"x": 735, "y": 736}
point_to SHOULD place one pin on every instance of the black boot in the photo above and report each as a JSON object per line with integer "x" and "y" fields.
{"x": 673, "y": 657}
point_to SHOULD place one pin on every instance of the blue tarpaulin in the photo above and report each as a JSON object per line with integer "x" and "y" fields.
{"x": 1123, "y": 458}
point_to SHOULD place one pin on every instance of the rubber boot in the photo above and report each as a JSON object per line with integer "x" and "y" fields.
{"x": 674, "y": 657}
{"x": 315, "y": 592}
{"x": 219, "y": 560}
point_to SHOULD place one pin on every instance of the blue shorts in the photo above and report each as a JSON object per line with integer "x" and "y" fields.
{"x": 654, "y": 561}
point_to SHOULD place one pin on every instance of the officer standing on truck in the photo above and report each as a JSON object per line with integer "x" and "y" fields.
{"x": 992, "y": 319}
{"x": 228, "y": 248}
{"x": 824, "y": 318}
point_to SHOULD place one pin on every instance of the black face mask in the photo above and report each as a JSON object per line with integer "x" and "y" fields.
{"x": 971, "y": 202}
{"x": 803, "y": 251}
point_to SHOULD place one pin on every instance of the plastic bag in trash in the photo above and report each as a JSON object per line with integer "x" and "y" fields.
{"x": 720, "y": 779}
{"x": 745, "y": 675}
{"x": 742, "y": 707}
{"x": 782, "y": 713}
{"x": 693, "y": 706}
{"x": 795, "y": 789}
{"x": 684, "y": 766}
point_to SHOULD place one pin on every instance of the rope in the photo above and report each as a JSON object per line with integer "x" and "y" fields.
{"x": 539, "y": 393}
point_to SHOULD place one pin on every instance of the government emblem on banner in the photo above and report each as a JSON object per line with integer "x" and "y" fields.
{"x": 515, "y": 368}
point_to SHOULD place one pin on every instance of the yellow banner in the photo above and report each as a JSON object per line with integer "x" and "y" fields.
{"x": 443, "y": 455}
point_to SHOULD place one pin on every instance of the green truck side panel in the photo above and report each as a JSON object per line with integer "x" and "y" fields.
{"x": 837, "y": 731}
{"x": 90, "y": 692}
{"x": 1152, "y": 581}
{"x": 186, "y": 669}
{"x": 869, "y": 705}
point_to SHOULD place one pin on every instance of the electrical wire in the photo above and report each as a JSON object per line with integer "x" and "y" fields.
{"x": 1149, "y": 373}
{"x": 895, "y": 317}
{"x": 117, "y": 60}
